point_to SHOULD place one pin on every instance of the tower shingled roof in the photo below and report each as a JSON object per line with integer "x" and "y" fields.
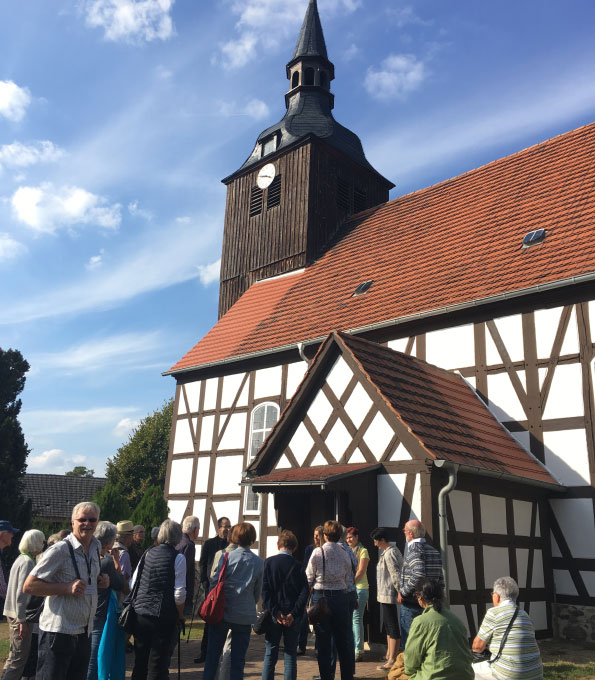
{"x": 311, "y": 39}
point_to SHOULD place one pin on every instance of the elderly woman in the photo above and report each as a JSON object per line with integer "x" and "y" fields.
{"x": 158, "y": 603}
{"x": 243, "y": 585}
{"x": 329, "y": 572}
{"x": 437, "y": 645}
{"x": 362, "y": 589}
{"x": 16, "y": 602}
{"x": 110, "y": 565}
{"x": 519, "y": 657}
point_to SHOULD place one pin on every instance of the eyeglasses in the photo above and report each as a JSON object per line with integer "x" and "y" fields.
{"x": 86, "y": 520}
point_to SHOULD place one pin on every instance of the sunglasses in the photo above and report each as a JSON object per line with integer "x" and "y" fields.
{"x": 86, "y": 520}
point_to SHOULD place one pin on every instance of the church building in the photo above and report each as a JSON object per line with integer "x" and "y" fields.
{"x": 427, "y": 357}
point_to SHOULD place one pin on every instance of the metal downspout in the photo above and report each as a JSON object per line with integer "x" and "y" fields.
{"x": 452, "y": 469}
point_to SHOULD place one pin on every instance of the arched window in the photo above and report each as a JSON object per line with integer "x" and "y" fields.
{"x": 264, "y": 416}
{"x": 295, "y": 79}
{"x": 323, "y": 79}
{"x": 309, "y": 76}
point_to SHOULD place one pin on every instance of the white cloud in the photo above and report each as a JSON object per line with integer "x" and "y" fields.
{"x": 398, "y": 75}
{"x": 42, "y": 423}
{"x": 125, "y": 427}
{"x": 265, "y": 24}
{"x": 255, "y": 109}
{"x": 14, "y": 100}
{"x": 126, "y": 350}
{"x": 132, "y": 21}
{"x": 403, "y": 16}
{"x": 55, "y": 461}
{"x": 135, "y": 211}
{"x": 95, "y": 262}
{"x": 46, "y": 208}
{"x": 209, "y": 273}
{"x": 351, "y": 52}
{"x": 9, "y": 248}
{"x": 17, "y": 155}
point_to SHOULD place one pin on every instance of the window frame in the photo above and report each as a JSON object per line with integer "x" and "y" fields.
{"x": 250, "y": 455}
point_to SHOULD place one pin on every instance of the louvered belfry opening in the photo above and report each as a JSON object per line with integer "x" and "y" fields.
{"x": 255, "y": 201}
{"x": 274, "y": 193}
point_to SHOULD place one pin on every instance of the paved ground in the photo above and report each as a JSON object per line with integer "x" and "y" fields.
{"x": 307, "y": 666}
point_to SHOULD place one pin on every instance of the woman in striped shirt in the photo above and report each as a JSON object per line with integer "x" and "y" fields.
{"x": 520, "y": 658}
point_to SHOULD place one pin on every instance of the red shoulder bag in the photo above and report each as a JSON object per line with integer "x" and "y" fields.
{"x": 211, "y": 610}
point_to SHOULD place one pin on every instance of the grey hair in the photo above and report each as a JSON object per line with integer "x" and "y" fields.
{"x": 190, "y": 523}
{"x": 416, "y": 528}
{"x": 507, "y": 588}
{"x": 154, "y": 533}
{"x": 170, "y": 532}
{"x": 105, "y": 533}
{"x": 32, "y": 542}
{"x": 83, "y": 506}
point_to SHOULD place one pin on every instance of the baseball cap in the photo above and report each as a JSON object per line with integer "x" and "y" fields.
{"x": 5, "y": 525}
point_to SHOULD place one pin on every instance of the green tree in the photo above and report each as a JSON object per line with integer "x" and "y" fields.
{"x": 151, "y": 511}
{"x": 112, "y": 503}
{"x": 13, "y": 448}
{"x": 80, "y": 471}
{"x": 141, "y": 462}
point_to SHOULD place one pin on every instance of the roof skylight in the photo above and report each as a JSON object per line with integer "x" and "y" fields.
{"x": 362, "y": 288}
{"x": 533, "y": 238}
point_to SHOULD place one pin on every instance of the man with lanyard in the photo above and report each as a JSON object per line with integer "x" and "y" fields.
{"x": 68, "y": 577}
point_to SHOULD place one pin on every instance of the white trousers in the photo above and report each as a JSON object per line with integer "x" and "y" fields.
{"x": 483, "y": 671}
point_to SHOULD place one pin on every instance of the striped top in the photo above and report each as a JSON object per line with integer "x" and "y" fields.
{"x": 520, "y": 658}
{"x": 421, "y": 561}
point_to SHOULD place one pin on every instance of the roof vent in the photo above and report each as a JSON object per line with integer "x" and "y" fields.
{"x": 533, "y": 238}
{"x": 362, "y": 288}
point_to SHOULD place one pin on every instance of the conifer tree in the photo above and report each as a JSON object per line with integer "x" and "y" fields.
{"x": 151, "y": 511}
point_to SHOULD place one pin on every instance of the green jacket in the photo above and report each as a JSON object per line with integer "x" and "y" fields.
{"x": 438, "y": 648}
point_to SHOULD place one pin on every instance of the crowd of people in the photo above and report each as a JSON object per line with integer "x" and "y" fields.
{"x": 63, "y": 599}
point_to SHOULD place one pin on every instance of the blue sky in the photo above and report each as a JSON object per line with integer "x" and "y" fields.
{"x": 118, "y": 119}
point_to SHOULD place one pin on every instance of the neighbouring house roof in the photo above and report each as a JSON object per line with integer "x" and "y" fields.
{"x": 54, "y": 496}
{"x": 444, "y": 414}
{"x": 452, "y": 245}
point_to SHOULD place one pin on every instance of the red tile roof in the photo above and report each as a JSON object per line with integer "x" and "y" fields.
{"x": 443, "y": 412}
{"x": 311, "y": 475}
{"x": 447, "y": 245}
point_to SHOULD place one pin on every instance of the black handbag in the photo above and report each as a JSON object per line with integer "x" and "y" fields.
{"x": 127, "y": 618}
{"x": 264, "y": 620}
{"x": 319, "y": 611}
{"x": 478, "y": 657}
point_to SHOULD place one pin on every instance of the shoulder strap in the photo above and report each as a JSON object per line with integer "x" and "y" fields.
{"x": 505, "y": 636}
{"x": 221, "y": 578}
{"x": 139, "y": 569}
{"x": 72, "y": 557}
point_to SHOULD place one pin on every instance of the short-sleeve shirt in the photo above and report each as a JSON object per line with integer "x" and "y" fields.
{"x": 67, "y": 613}
{"x": 520, "y": 658}
{"x": 362, "y": 553}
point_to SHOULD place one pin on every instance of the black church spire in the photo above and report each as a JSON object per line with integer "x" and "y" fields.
{"x": 311, "y": 39}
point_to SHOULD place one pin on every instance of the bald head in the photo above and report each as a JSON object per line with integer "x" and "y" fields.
{"x": 414, "y": 529}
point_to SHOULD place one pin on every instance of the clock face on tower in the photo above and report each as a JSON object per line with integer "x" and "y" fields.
{"x": 266, "y": 176}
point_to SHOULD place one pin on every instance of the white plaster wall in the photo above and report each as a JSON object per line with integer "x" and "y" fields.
{"x": 272, "y": 514}
{"x": 538, "y": 614}
{"x": 555, "y": 550}
{"x": 211, "y": 386}
{"x": 181, "y": 401}
{"x": 320, "y": 411}
{"x": 193, "y": 395}
{"x": 468, "y": 557}
{"x": 416, "y": 501}
{"x": 459, "y": 610}
{"x": 301, "y": 443}
{"x": 570, "y": 345}
{"x": 357, "y": 457}
{"x": 206, "y": 433}
{"x": 339, "y": 377}
{"x": 390, "y": 498}
{"x": 567, "y": 457}
{"x": 495, "y": 564}
{"x": 202, "y": 474}
{"x": 180, "y": 476}
{"x": 183, "y": 437}
{"x": 256, "y": 524}
{"x": 462, "y": 510}
{"x": 267, "y": 382}
{"x": 378, "y": 435}
{"x": 198, "y": 510}
{"x": 229, "y": 509}
{"x": 295, "y": 374}
{"x": 511, "y": 332}
{"x": 592, "y": 318}
{"x": 231, "y": 385}
{"x": 565, "y": 398}
{"x": 538, "y": 580}
{"x": 399, "y": 345}
{"x": 176, "y": 510}
{"x": 522, "y": 557}
{"x": 283, "y": 463}
{"x": 503, "y": 399}
{"x": 451, "y": 347}
{"x": 400, "y": 453}
{"x": 338, "y": 439}
{"x": 228, "y": 474}
{"x": 493, "y": 514}
{"x": 546, "y": 325}
{"x": 358, "y": 405}
{"x": 573, "y": 513}
{"x": 589, "y": 581}
{"x": 271, "y": 546}
{"x": 235, "y": 432}
{"x": 563, "y": 583}
{"x": 319, "y": 459}
{"x": 522, "y": 517}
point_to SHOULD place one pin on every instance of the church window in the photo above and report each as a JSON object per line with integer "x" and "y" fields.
{"x": 533, "y": 238}
{"x": 323, "y": 79}
{"x": 295, "y": 79}
{"x": 269, "y": 145}
{"x": 274, "y": 193}
{"x": 255, "y": 201}
{"x": 309, "y": 76}
{"x": 359, "y": 200}
{"x": 264, "y": 416}
{"x": 343, "y": 194}
{"x": 362, "y": 288}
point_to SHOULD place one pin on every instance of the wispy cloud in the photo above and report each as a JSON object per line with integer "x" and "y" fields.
{"x": 9, "y": 248}
{"x": 164, "y": 257}
{"x": 125, "y": 427}
{"x": 263, "y": 25}
{"x": 255, "y": 109}
{"x": 95, "y": 261}
{"x": 17, "y": 155}
{"x": 132, "y": 21}
{"x": 46, "y": 208}
{"x": 14, "y": 100}
{"x": 404, "y": 16}
{"x": 126, "y": 350}
{"x": 136, "y": 211}
{"x": 41, "y": 423}
{"x": 209, "y": 273}
{"x": 55, "y": 461}
{"x": 398, "y": 75}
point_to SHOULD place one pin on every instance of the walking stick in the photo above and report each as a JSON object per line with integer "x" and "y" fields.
{"x": 181, "y": 631}
{"x": 198, "y": 590}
